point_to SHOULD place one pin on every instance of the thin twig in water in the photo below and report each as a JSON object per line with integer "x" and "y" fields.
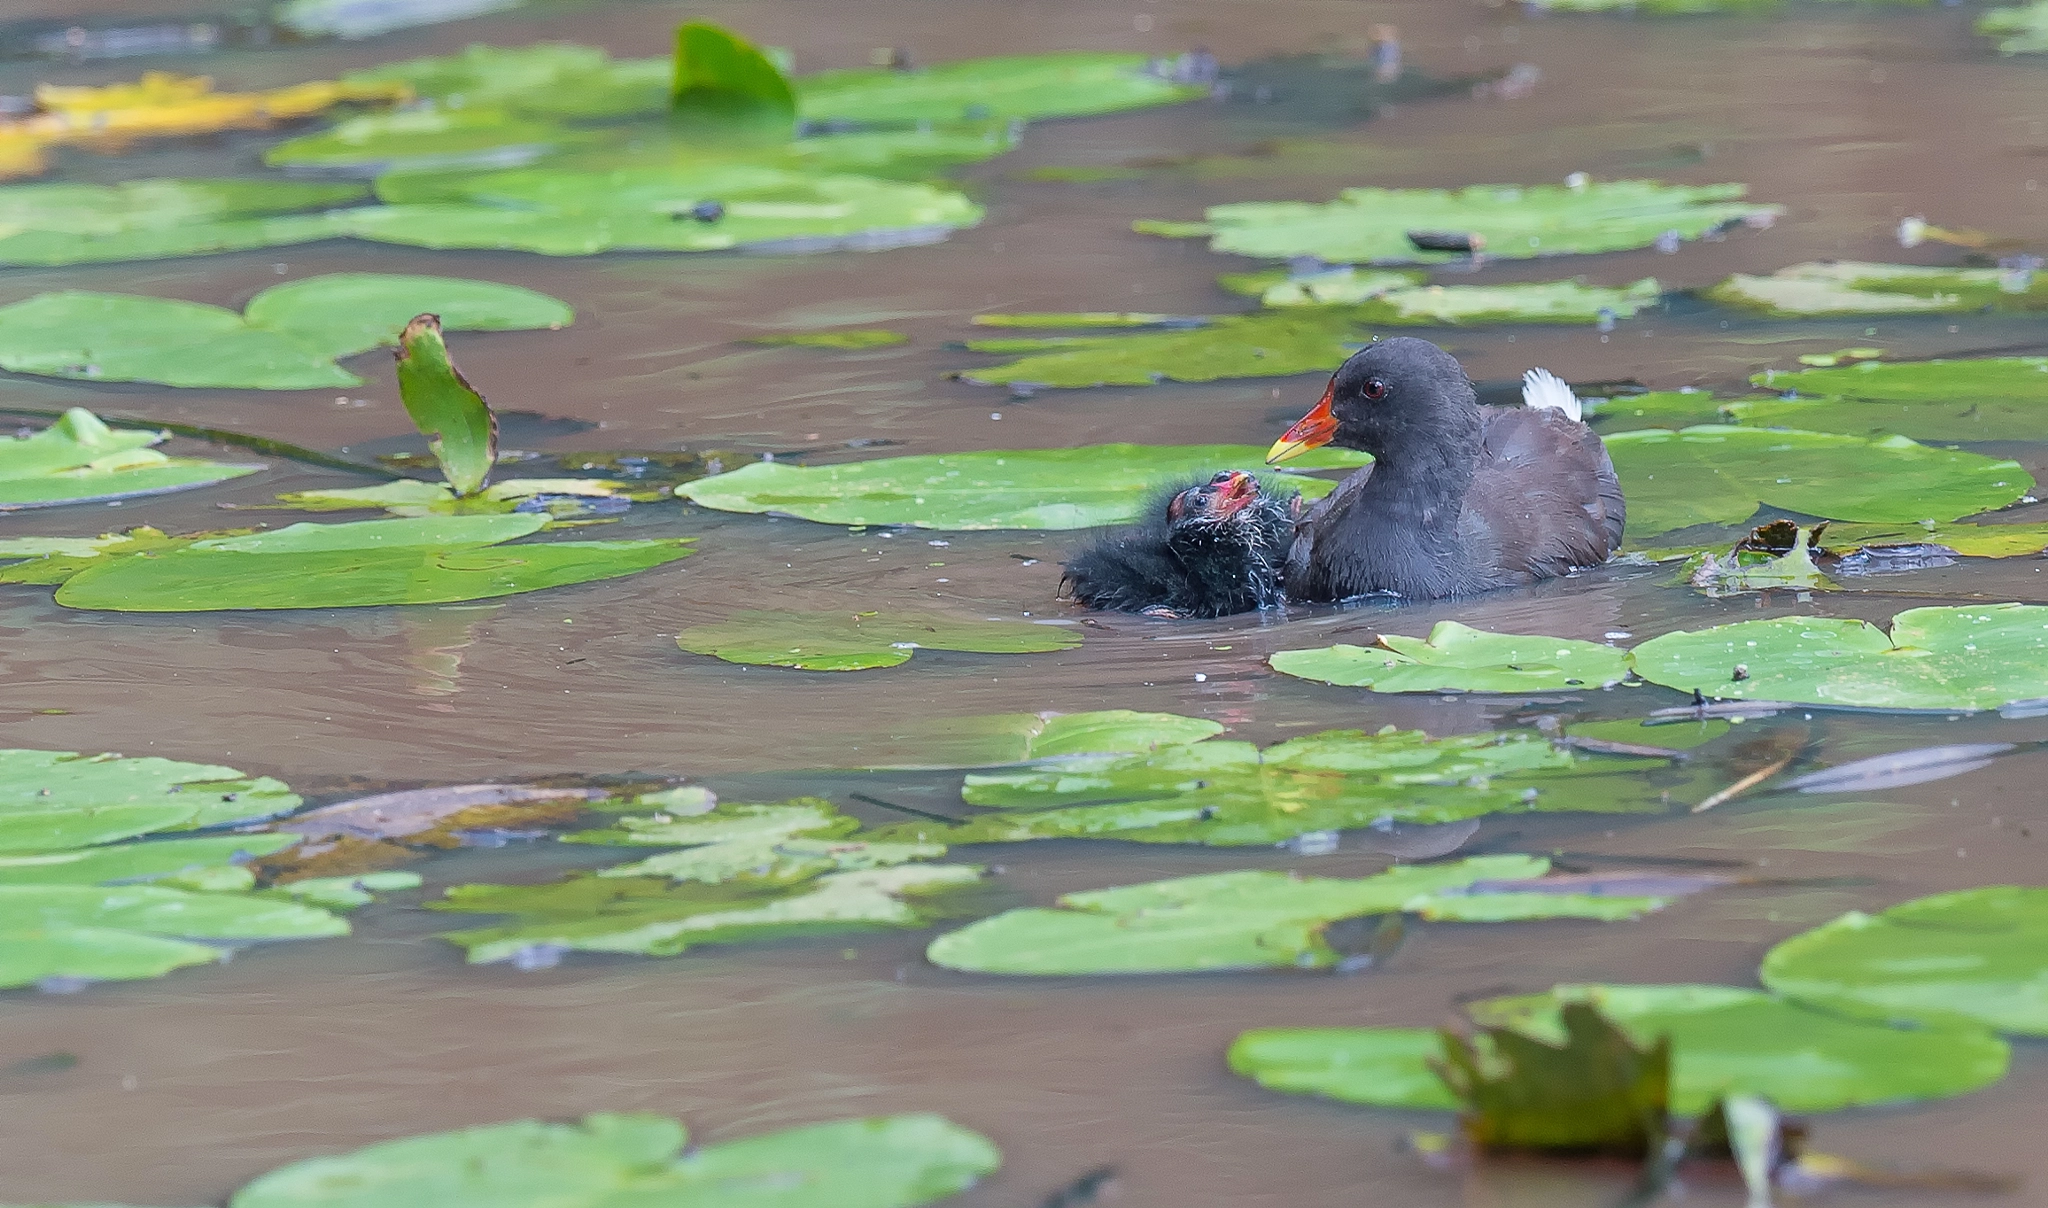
{"x": 904, "y": 809}
{"x": 1745, "y": 784}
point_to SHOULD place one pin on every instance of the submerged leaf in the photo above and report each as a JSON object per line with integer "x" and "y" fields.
{"x": 1847, "y": 287}
{"x": 835, "y": 641}
{"x": 1457, "y": 658}
{"x": 78, "y": 459}
{"x": 1596, "y": 1092}
{"x": 461, "y": 429}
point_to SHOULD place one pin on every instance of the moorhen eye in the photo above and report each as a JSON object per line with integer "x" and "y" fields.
{"x": 1374, "y": 389}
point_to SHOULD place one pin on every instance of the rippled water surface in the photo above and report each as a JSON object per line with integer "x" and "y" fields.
{"x": 186, "y": 1087}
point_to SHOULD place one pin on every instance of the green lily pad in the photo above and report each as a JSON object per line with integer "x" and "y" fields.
{"x": 1974, "y": 957}
{"x": 412, "y": 497}
{"x": 346, "y": 892}
{"x": 724, "y": 78}
{"x": 766, "y": 844}
{"x": 1276, "y": 344}
{"x": 653, "y": 916}
{"x": 1934, "y": 658}
{"x": 998, "y": 738}
{"x": 859, "y": 641}
{"x": 126, "y": 932}
{"x": 546, "y": 79}
{"x": 288, "y": 339}
{"x": 1393, "y": 298}
{"x": 992, "y": 489}
{"x": 461, "y": 429}
{"x": 1371, "y": 226}
{"x": 1656, "y": 409}
{"x": 430, "y": 138}
{"x": 423, "y": 560}
{"x": 1457, "y": 658}
{"x": 78, "y": 459}
{"x": 1970, "y": 540}
{"x": 1849, "y": 287}
{"x": 54, "y": 800}
{"x": 1343, "y": 285}
{"x": 54, "y": 224}
{"x": 1995, "y": 398}
{"x": 877, "y": 1162}
{"x": 148, "y": 861}
{"x": 1233, "y": 794}
{"x": 2020, "y": 29}
{"x": 1089, "y": 319}
{"x": 1718, "y": 474}
{"x": 845, "y": 338}
{"x": 1723, "y": 1040}
{"x": 1241, "y": 920}
{"x": 1026, "y": 87}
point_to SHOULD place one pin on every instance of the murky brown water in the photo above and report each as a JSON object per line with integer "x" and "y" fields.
{"x": 191, "y": 1085}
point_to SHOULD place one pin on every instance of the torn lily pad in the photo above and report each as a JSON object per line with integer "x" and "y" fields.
{"x": 1236, "y": 920}
{"x": 51, "y": 801}
{"x": 288, "y": 339}
{"x": 1973, "y": 957}
{"x": 79, "y": 459}
{"x": 653, "y": 916}
{"x": 125, "y": 932}
{"x": 1457, "y": 658}
{"x": 1961, "y": 659}
{"x": 1992, "y": 398}
{"x": 1723, "y": 1040}
{"x": 1276, "y": 344}
{"x": 1372, "y": 226}
{"x": 992, "y": 489}
{"x": 860, "y": 641}
{"x": 55, "y": 224}
{"x": 1849, "y": 287}
{"x": 423, "y": 560}
{"x": 778, "y": 844}
{"x": 877, "y": 1162}
{"x": 1720, "y": 474}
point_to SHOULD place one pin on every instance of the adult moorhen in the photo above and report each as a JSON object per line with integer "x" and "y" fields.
{"x": 1205, "y": 550}
{"x": 1460, "y": 498}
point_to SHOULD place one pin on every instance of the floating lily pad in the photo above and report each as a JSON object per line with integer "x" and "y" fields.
{"x": 54, "y": 800}
{"x": 1089, "y": 319}
{"x": 1656, "y": 409}
{"x": 1723, "y": 1040}
{"x": 859, "y": 641}
{"x": 998, "y": 738}
{"x": 1995, "y": 398}
{"x": 430, "y": 138}
{"x": 847, "y": 338}
{"x": 1233, "y": 794}
{"x": 78, "y": 459}
{"x": 1238, "y": 920}
{"x": 136, "y": 862}
{"x": 2021, "y": 29}
{"x": 412, "y": 497}
{"x": 1371, "y": 226}
{"x": 1975, "y": 957}
{"x": 368, "y": 18}
{"x": 1718, "y": 474}
{"x": 125, "y": 932}
{"x": 1027, "y": 87}
{"x": 1848, "y": 287}
{"x": 52, "y": 224}
{"x": 1934, "y": 658}
{"x": 765, "y": 844}
{"x": 1391, "y": 298}
{"x": 1457, "y": 658}
{"x": 993, "y": 489}
{"x": 1343, "y": 285}
{"x": 653, "y": 916}
{"x": 424, "y": 560}
{"x": 548, "y": 79}
{"x": 1276, "y": 344}
{"x": 877, "y": 1162}
{"x": 287, "y": 340}
{"x": 1970, "y": 540}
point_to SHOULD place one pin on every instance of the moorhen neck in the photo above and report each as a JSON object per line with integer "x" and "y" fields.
{"x": 1208, "y": 549}
{"x": 1460, "y": 498}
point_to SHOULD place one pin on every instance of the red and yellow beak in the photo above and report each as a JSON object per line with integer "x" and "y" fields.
{"x": 1234, "y": 494}
{"x": 1311, "y": 431}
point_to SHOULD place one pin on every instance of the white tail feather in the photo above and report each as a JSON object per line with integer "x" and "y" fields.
{"x": 1546, "y": 391}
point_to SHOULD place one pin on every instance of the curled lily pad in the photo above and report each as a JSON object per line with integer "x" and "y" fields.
{"x": 992, "y": 489}
{"x": 1718, "y": 474}
{"x": 54, "y": 800}
{"x": 859, "y": 641}
{"x": 1974, "y": 957}
{"x": 52, "y": 224}
{"x": 722, "y": 77}
{"x": 78, "y": 459}
{"x": 878, "y": 1162}
{"x": 1457, "y": 658}
{"x": 1239, "y": 920}
{"x": 460, "y": 427}
{"x": 1933, "y": 658}
{"x": 1848, "y": 287}
{"x": 1723, "y": 1040}
{"x": 1372, "y": 226}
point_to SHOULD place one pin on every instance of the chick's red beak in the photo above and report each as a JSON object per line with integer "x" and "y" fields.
{"x": 1311, "y": 431}
{"x": 1234, "y": 494}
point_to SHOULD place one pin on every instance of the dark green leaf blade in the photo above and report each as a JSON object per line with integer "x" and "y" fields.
{"x": 459, "y": 425}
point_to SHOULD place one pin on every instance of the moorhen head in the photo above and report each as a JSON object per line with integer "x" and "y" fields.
{"x": 1460, "y": 498}
{"x": 1207, "y": 549}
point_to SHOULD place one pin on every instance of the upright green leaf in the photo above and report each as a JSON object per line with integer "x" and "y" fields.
{"x": 722, "y": 77}
{"x": 459, "y": 426}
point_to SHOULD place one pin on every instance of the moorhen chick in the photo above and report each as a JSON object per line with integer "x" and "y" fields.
{"x": 1205, "y": 550}
{"x": 1460, "y": 498}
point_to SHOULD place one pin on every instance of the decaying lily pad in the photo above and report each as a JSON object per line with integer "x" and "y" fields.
{"x": 1974, "y": 957}
{"x": 1239, "y": 920}
{"x": 859, "y": 641}
{"x": 1372, "y": 226}
{"x": 1591, "y": 1090}
{"x": 1848, "y": 287}
{"x": 1723, "y": 1040}
{"x": 993, "y": 489}
{"x": 78, "y": 459}
{"x": 777, "y": 844}
{"x": 1457, "y": 658}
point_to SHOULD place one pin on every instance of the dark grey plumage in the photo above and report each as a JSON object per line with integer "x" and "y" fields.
{"x": 1208, "y": 549}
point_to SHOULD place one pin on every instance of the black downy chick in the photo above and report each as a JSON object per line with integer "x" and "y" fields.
{"x": 1205, "y": 550}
